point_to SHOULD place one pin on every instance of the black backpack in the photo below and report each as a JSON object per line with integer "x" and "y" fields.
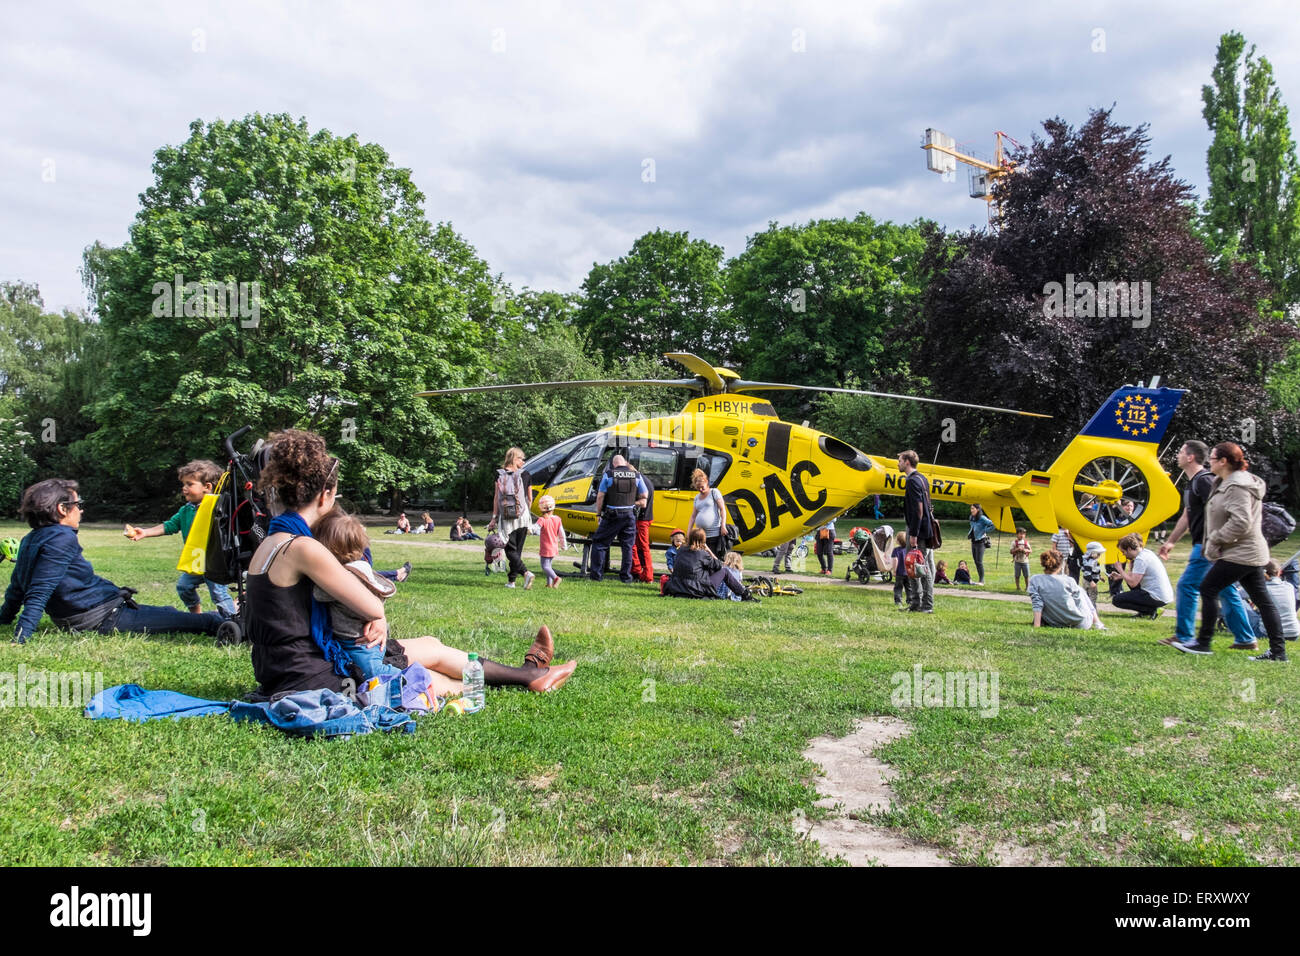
{"x": 1277, "y": 523}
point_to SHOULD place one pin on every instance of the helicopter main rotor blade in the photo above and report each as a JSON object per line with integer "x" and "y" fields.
{"x": 745, "y": 386}
{"x": 691, "y": 383}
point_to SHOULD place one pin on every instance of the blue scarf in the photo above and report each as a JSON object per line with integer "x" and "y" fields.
{"x": 321, "y": 631}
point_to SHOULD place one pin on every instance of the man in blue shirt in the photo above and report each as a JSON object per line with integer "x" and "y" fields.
{"x": 620, "y": 492}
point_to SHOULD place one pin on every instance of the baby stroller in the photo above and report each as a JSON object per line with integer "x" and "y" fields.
{"x": 240, "y": 521}
{"x": 872, "y": 554}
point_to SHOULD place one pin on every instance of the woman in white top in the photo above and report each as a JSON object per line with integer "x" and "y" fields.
{"x": 1058, "y": 600}
{"x": 709, "y": 512}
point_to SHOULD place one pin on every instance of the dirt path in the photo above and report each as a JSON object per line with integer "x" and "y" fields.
{"x": 855, "y": 783}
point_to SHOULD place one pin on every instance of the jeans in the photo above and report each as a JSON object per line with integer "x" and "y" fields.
{"x": 1022, "y": 568}
{"x": 1217, "y": 579}
{"x": 617, "y": 526}
{"x": 727, "y": 579}
{"x": 147, "y": 619}
{"x": 369, "y": 659}
{"x": 515, "y": 552}
{"x": 920, "y": 589}
{"x": 187, "y": 585}
{"x": 1189, "y": 596}
{"x": 977, "y": 550}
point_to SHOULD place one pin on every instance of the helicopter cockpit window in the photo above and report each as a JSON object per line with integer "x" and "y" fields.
{"x": 584, "y": 460}
{"x": 712, "y": 463}
{"x": 545, "y": 465}
{"x": 657, "y": 464}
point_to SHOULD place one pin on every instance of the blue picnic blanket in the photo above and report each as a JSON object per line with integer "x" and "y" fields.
{"x": 309, "y": 713}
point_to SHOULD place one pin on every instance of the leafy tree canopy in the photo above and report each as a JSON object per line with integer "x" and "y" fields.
{"x": 276, "y": 277}
{"x": 665, "y": 295}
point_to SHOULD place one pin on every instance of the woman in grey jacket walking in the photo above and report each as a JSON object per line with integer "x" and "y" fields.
{"x": 1234, "y": 541}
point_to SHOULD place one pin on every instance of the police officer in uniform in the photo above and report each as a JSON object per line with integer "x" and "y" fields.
{"x": 621, "y": 491}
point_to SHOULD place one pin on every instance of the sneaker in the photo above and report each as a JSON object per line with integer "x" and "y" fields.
{"x": 510, "y": 584}
{"x": 1270, "y": 656}
{"x": 1194, "y": 648}
{"x": 1170, "y": 640}
{"x": 528, "y": 579}
{"x": 404, "y": 572}
{"x": 487, "y": 570}
{"x": 1252, "y": 646}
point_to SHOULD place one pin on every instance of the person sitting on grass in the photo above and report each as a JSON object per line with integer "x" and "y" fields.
{"x": 962, "y": 574}
{"x": 1283, "y": 596}
{"x": 52, "y": 575}
{"x": 941, "y": 573}
{"x": 403, "y": 524}
{"x": 697, "y": 573}
{"x": 197, "y": 479}
{"x": 676, "y": 541}
{"x": 1057, "y": 599}
{"x": 462, "y": 530}
{"x": 345, "y": 538}
{"x": 1148, "y": 580}
{"x": 426, "y": 524}
{"x": 734, "y": 566}
{"x": 293, "y": 644}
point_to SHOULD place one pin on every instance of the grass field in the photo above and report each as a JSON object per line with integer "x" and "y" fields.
{"x": 678, "y": 741}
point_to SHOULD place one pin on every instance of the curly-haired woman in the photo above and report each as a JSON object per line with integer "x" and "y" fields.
{"x": 293, "y": 644}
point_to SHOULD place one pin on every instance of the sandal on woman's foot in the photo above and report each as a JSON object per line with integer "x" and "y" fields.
{"x": 553, "y": 678}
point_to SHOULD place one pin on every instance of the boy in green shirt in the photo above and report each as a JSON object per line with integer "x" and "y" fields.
{"x": 198, "y": 478}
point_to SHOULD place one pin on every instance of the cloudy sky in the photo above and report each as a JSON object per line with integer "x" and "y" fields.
{"x": 528, "y": 125}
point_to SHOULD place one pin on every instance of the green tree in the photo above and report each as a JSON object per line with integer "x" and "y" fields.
{"x": 276, "y": 277}
{"x": 50, "y": 368}
{"x": 539, "y": 346}
{"x": 1252, "y": 212}
{"x": 817, "y": 301}
{"x": 665, "y": 295}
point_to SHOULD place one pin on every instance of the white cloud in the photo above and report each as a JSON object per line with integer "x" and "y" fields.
{"x": 534, "y": 151}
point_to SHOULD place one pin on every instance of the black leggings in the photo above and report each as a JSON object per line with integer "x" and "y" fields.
{"x": 1221, "y": 575}
{"x": 826, "y": 555}
{"x": 515, "y": 552}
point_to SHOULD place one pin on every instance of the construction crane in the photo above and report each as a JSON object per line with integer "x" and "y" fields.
{"x": 942, "y": 156}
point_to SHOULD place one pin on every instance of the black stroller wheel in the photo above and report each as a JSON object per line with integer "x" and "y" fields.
{"x": 887, "y": 576}
{"x": 229, "y": 632}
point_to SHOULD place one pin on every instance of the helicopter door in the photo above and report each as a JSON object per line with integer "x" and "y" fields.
{"x": 660, "y": 466}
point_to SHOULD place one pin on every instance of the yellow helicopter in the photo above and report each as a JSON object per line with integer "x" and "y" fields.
{"x": 780, "y": 480}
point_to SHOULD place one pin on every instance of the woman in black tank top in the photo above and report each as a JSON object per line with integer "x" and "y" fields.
{"x": 285, "y": 658}
{"x": 303, "y": 478}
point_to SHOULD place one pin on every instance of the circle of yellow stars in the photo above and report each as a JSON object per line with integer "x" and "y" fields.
{"x": 1137, "y": 401}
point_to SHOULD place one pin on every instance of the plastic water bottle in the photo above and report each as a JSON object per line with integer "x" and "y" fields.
{"x": 472, "y": 677}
